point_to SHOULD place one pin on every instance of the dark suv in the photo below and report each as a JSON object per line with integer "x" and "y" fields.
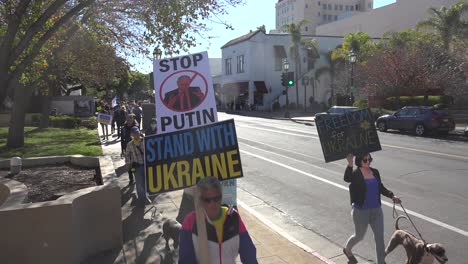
{"x": 335, "y": 110}
{"x": 419, "y": 119}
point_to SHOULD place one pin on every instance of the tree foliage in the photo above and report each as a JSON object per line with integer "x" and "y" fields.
{"x": 30, "y": 30}
{"x": 447, "y": 22}
{"x": 411, "y": 64}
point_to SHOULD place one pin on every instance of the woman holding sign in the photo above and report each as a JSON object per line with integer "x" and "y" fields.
{"x": 365, "y": 189}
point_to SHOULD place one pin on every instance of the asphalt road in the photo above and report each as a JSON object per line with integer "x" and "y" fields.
{"x": 284, "y": 167}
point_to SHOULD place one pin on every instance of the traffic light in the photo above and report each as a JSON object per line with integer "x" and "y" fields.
{"x": 283, "y": 79}
{"x": 290, "y": 79}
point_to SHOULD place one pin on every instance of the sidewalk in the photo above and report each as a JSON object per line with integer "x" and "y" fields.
{"x": 142, "y": 228}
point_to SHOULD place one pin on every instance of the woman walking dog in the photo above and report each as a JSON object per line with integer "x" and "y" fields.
{"x": 365, "y": 189}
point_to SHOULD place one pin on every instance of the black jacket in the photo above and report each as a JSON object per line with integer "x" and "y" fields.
{"x": 357, "y": 186}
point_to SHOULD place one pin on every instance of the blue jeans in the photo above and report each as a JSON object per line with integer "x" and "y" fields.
{"x": 140, "y": 183}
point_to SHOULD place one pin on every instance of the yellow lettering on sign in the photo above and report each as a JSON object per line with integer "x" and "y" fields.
{"x": 169, "y": 176}
{"x": 183, "y": 170}
{"x": 197, "y": 170}
{"x": 232, "y": 161}
{"x": 219, "y": 166}
{"x": 207, "y": 165}
{"x": 154, "y": 185}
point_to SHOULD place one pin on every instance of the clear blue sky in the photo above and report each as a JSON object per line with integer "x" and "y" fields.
{"x": 243, "y": 18}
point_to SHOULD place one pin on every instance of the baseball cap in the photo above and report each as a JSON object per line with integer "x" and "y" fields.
{"x": 135, "y": 130}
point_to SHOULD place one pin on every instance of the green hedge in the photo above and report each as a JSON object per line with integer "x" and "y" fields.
{"x": 64, "y": 121}
{"x": 391, "y": 102}
{"x": 67, "y": 121}
{"x": 362, "y": 104}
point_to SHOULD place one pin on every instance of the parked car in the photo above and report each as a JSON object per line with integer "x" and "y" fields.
{"x": 418, "y": 119}
{"x": 335, "y": 110}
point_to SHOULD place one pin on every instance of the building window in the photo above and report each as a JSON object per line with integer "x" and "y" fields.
{"x": 357, "y": 7}
{"x": 336, "y": 7}
{"x": 240, "y": 64}
{"x": 352, "y": 8}
{"x": 336, "y": 18}
{"x": 369, "y": 5}
{"x": 228, "y": 66}
{"x": 329, "y": 7}
{"x": 324, "y": 7}
{"x": 341, "y": 7}
{"x": 347, "y": 8}
{"x": 324, "y": 17}
{"x": 318, "y": 2}
{"x": 306, "y": 28}
{"x": 329, "y": 17}
{"x": 318, "y": 13}
{"x": 307, "y": 6}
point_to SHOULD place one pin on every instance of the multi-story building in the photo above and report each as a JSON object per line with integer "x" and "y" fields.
{"x": 317, "y": 12}
{"x": 399, "y": 16}
{"x": 252, "y": 68}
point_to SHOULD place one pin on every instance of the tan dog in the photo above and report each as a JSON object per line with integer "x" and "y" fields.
{"x": 417, "y": 251}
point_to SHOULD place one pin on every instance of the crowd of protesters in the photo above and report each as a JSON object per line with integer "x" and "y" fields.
{"x": 125, "y": 125}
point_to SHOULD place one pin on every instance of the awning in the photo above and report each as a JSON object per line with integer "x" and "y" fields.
{"x": 260, "y": 87}
{"x": 235, "y": 89}
{"x": 280, "y": 52}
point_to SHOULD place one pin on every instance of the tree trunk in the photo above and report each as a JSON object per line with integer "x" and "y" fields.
{"x": 16, "y": 130}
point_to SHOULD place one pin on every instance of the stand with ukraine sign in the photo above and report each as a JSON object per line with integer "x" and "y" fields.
{"x": 190, "y": 144}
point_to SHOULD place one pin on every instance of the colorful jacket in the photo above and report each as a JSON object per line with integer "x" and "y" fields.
{"x": 236, "y": 241}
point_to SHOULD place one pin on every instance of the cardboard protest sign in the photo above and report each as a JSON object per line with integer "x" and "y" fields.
{"x": 104, "y": 119}
{"x": 184, "y": 93}
{"x": 180, "y": 159}
{"x": 353, "y": 132}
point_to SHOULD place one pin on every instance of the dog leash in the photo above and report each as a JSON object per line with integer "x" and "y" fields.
{"x": 395, "y": 215}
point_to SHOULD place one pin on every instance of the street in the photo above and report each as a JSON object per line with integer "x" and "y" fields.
{"x": 284, "y": 167}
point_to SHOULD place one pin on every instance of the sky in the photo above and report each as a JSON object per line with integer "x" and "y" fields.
{"x": 243, "y": 18}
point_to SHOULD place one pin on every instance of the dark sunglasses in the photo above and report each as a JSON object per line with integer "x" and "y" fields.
{"x": 366, "y": 160}
{"x": 215, "y": 199}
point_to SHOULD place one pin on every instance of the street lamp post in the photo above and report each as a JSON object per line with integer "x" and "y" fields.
{"x": 285, "y": 70}
{"x": 157, "y": 53}
{"x": 312, "y": 82}
{"x": 352, "y": 60}
{"x": 305, "y": 82}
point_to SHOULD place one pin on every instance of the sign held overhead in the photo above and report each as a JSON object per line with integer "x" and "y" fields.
{"x": 353, "y": 132}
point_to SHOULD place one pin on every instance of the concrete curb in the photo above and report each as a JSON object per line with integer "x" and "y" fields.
{"x": 283, "y": 233}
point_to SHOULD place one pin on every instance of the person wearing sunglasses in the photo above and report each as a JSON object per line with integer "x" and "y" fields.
{"x": 365, "y": 189}
{"x": 227, "y": 234}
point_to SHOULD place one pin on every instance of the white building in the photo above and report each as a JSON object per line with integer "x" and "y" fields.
{"x": 252, "y": 68}
{"x": 399, "y": 16}
{"x": 317, "y": 12}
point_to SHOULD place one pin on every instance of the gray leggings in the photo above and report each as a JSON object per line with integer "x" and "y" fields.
{"x": 362, "y": 218}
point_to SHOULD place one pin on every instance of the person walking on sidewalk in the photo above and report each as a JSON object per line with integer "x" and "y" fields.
{"x": 126, "y": 137}
{"x": 119, "y": 119}
{"x": 365, "y": 190}
{"x": 227, "y": 234}
{"x": 138, "y": 112}
{"x": 134, "y": 159}
{"x": 152, "y": 130}
{"x": 104, "y": 127}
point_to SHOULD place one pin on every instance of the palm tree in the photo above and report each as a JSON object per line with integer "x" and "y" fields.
{"x": 296, "y": 37}
{"x": 331, "y": 69}
{"x": 447, "y": 22}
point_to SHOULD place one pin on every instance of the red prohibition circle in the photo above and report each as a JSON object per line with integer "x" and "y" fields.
{"x": 193, "y": 77}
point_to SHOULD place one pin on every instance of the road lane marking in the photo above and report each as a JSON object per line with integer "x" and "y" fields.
{"x": 413, "y": 213}
{"x": 312, "y": 135}
{"x": 300, "y": 161}
{"x": 276, "y": 131}
{"x": 290, "y": 151}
